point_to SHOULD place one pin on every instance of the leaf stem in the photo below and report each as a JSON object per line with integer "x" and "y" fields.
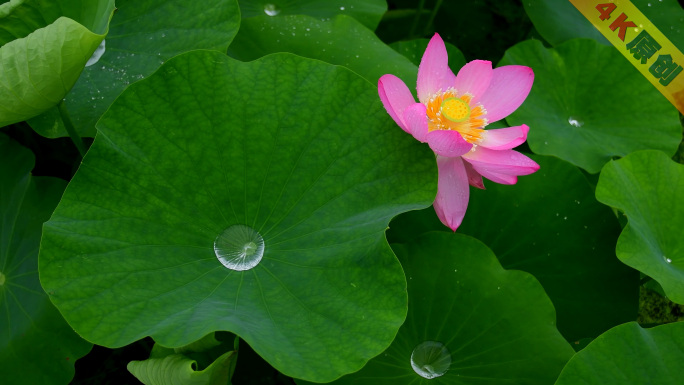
{"x": 78, "y": 142}
{"x": 414, "y": 26}
{"x": 432, "y": 17}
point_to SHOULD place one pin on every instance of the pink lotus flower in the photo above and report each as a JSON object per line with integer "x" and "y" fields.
{"x": 451, "y": 117}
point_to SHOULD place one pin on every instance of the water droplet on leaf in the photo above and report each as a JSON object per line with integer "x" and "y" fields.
{"x": 430, "y": 359}
{"x": 575, "y": 122}
{"x": 239, "y": 247}
{"x": 271, "y": 9}
{"x": 99, "y": 51}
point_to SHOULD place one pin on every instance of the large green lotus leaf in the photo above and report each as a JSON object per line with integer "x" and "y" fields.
{"x": 629, "y": 354}
{"x": 550, "y": 225}
{"x": 559, "y": 20}
{"x": 341, "y": 40}
{"x": 649, "y": 188}
{"x": 497, "y": 325}
{"x": 368, "y": 12}
{"x": 36, "y": 344}
{"x": 588, "y": 104}
{"x": 414, "y": 50}
{"x": 297, "y": 149}
{"x": 42, "y": 52}
{"x": 143, "y": 35}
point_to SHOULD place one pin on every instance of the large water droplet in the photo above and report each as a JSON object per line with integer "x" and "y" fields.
{"x": 577, "y": 122}
{"x": 271, "y": 9}
{"x": 239, "y": 247}
{"x": 430, "y": 359}
{"x": 99, "y": 51}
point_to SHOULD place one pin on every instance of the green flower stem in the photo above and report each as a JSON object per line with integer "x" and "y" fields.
{"x": 78, "y": 142}
{"x": 416, "y": 19}
{"x": 432, "y": 17}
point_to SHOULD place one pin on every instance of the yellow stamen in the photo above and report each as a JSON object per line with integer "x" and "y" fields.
{"x": 447, "y": 111}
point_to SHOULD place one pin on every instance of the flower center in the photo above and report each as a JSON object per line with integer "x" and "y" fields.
{"x": 455, "y": 110}
{"x": 450, "y": 111}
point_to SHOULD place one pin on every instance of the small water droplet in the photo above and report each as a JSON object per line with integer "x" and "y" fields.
{"x": 271, "y": 9}
{"x": 430, "y": 359}
{"x": 341, "y": 8}
{"x": 99, "y": 51}
{"x": 239, "y": 247}
{"x": 575, "y": 122}
{"x": 565, "y": 218}
{"x": 668, "y": 260}
{"x": 353, "y": 284}
{"x": 649, "y": 4}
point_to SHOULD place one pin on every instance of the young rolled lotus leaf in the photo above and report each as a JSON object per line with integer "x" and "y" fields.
{"x": 648, "y": 186}
{"x": 629, "y": 354}
{"x": 589, "y": 104}
{"x": 341, "y": 40}
{"x": 551, "y": 226}
{"x": 179, "y": 367}
{"x": 368, "y": 12}
{"x": 143, "y": 35}
{"x": 36, "y": 344}
{"x": 469, "y": 321}
{"x": 247, "y": 197}
{"x": 44, "y": 46}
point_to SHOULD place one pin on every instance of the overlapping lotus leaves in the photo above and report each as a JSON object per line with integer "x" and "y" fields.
{"x": 550, "y": 225}
{"x": 497, "y": 325}
{"x": 44, "y": 46}
{"x": 368, "y": 12}
{"x": 558, "y": 21}
{"x": 300, "y": 151}
{"x": 588, "y": 104}
{"x": 648, "y": 186}
{"x": 143, "y": 35}
{"x": 36, "y": 344}
{"x": 630, "y": 354}
{"x": 341, "y": 40}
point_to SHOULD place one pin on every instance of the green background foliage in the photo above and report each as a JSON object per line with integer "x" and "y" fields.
{"x": 143, "y": 35}
{"x": 550, "y": 225}
{"x": 36, "y": 344}
{"x": 627, "y": 354}
{"x": 648, "y": 187}
{"x": 589, "y": 104}
{"x": 286, "y": 134}
{"x": 498, "y": 325}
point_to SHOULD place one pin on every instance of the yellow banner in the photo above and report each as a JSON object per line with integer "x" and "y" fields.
{"x": 640, "y": 42}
